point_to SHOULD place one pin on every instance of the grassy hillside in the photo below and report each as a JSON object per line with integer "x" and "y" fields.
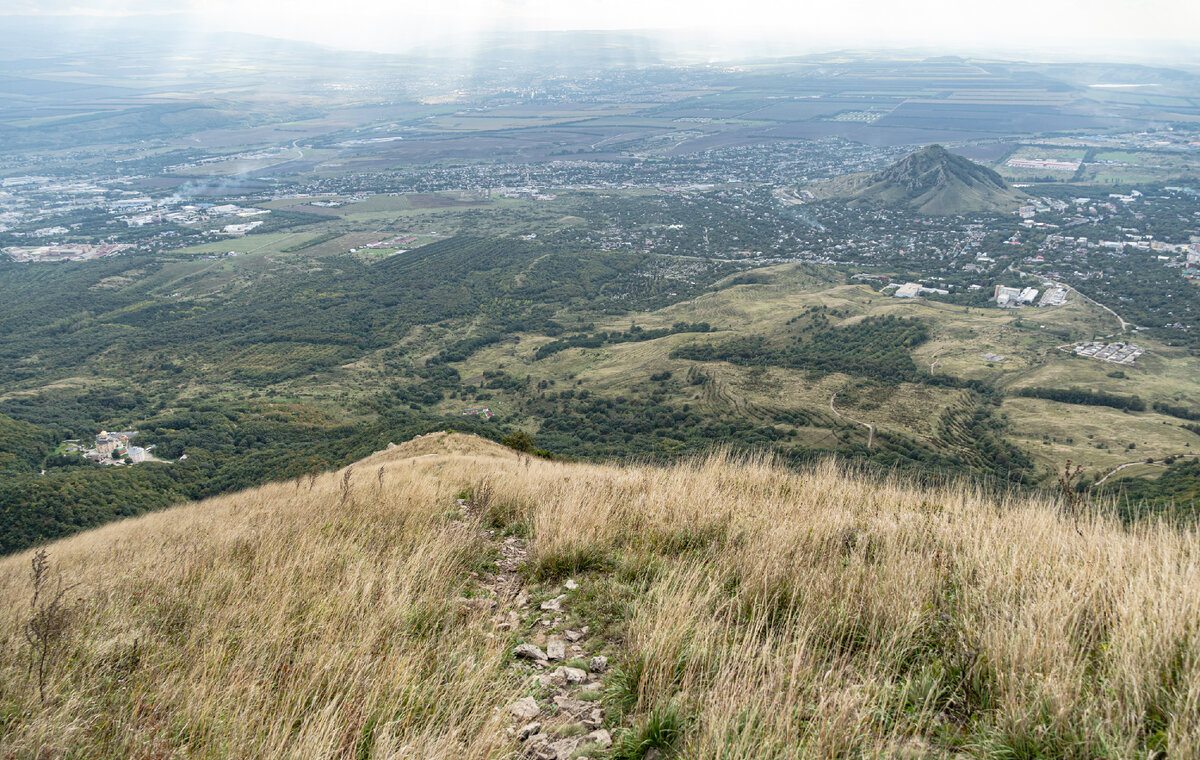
{"x": 757, "y": 369}
{"x": 745, "y": 611}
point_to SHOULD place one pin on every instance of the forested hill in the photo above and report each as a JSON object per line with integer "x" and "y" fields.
{"x": 224, "y": 370}
{"x": 23, "y": 447}
{"x": 317, "y": 316}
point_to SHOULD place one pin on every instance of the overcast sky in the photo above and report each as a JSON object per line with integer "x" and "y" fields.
{"x": 393, "y": 25}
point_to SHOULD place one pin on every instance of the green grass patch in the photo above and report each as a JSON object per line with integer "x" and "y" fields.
{"x": 323, "y": 238}
{"x": 567, "y": 561}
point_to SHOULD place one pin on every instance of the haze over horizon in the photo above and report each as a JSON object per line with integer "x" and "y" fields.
{"x": 709, "y": 29}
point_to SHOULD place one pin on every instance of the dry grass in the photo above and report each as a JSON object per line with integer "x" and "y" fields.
{"x": 755, "y": 612}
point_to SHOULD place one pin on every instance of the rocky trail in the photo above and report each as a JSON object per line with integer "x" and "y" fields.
{"x": 563, "y": 717}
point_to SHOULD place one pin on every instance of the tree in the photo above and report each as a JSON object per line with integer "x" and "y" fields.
{"x": 520, "y": 440}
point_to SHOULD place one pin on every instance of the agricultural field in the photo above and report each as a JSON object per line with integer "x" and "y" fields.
{"x": 1123, "y": 167}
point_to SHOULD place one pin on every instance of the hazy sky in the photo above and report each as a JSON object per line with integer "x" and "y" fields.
{"x": 960, "y": 24}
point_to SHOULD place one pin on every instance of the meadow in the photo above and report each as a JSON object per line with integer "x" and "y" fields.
{"x": 747, "y": 610}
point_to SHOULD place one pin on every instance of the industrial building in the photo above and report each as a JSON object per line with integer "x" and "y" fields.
{"x": 1014, "y": 297}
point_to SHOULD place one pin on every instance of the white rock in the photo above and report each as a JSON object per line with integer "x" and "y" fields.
{"x": 525, "y": 708}
{"x": 571, "y": 585}
{"x": 556, "y": 650}
{"x": 572, "y": 635}
{"x": 576, "y": 708}
{"x": 594, "y": 719}
{"x": 528, "y": 730}
{"x": 564, "y": 748}
{"x": 554, "y": 604}
{"x": 529, "y": 652}
{"x": 601, "y": 737}
{"x": 506, "y": 622}
{"x": 575, "y": 675}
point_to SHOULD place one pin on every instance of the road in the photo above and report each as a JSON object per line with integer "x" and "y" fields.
{"x": 870, "y": 428}
{"x": 1124, "y": 325}
{"x": 1132, "y": 464}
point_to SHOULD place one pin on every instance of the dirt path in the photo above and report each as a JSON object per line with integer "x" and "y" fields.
{"x": 870, "y": 428}
{"x": 1094, "y": 302}
{"x": 564, "y": 715}
{"x": 1160, "y": 462}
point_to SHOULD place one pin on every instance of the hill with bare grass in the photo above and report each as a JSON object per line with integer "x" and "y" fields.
{"x": 452, "y": 598}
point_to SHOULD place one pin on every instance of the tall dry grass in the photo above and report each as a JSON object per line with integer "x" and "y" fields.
{"x": 753, "y": 611}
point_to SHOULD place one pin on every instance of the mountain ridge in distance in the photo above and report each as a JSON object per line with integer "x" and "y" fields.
{"x": 933, "y": 181}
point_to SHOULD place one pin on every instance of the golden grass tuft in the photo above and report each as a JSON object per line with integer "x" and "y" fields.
{"x": 754, "y": 611}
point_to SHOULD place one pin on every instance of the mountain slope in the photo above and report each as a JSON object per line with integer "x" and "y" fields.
{"x": 746, "y": 611}
{"x": 932, "y": 181}
{"x": 24, "y": 447}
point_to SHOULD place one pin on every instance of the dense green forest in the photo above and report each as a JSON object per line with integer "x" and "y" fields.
{"x": 632, "y": 335}
{"x": 301, "y": 320}
{"x": 1085, "y": 397}
{"x": 1182, "y": 412}
{"x": 142, "y": 347}
{"x": 24, "y": 448}
{"x": 875, "y": 347}
{"x": 1175, "y": 492}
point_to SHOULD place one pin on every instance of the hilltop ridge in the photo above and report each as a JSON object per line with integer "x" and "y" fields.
{"x": 932, "y": 181}
{"x": 449, "y": 597}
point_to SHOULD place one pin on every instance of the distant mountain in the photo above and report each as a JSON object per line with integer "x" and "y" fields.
{"x": 931, "y": 181}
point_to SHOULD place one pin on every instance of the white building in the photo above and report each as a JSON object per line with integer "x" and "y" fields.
{"x": 1014, "y": 297}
